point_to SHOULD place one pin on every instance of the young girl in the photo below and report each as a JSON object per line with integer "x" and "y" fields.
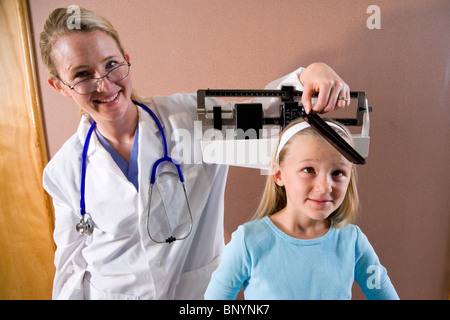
{"x": 302, "y": 246}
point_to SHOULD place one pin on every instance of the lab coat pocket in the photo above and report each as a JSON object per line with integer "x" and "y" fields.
{"x": 169, "y": 215}
{"x": 192, "y": 284}
{"x": 92, "y": 293}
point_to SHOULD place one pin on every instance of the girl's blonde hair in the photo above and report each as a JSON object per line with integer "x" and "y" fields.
{"x": 274, "y": 196}
{"x": 59, "y": 22}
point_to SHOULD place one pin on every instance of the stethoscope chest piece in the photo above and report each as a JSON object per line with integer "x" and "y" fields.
{"x": 85, "y": 226}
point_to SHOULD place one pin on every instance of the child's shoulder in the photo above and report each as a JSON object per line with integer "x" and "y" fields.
{"x": 351, "y": 232}
{"x": 254, "y": 226}
{"x": 349, "y": 228}
{"x": 254, "y": 231}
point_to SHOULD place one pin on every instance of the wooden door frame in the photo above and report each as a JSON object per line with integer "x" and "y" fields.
{"x": 26, "y": 214}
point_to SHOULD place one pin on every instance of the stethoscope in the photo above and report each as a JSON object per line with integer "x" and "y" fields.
{"x": 86, "y": 225}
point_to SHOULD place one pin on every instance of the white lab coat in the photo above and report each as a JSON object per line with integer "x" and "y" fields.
{"x": 119, "y": 260}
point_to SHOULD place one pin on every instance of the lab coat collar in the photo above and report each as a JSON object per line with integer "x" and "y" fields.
{"x": 96, "y": 155}
{"x": 82, "y": 132}
{"x": 146, "y": 118}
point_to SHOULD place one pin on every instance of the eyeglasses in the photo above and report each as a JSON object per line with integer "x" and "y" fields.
{"x": 91, "y": 85}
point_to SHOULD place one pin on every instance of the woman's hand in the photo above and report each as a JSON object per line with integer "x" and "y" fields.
{"x": 319, "y": 77}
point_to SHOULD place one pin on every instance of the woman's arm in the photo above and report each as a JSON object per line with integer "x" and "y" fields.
{"x": 69, "y": 262}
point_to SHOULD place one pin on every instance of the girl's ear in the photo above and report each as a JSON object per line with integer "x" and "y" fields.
{"x": 276, "y": 174}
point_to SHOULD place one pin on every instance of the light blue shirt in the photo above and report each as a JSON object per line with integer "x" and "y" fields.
{"x": 269, "y": 264}
{"x": 130, "y": 170}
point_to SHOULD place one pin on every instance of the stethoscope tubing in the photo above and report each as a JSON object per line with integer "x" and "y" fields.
{"x": 83, "y": 169}
{"x": 166, "y": 157}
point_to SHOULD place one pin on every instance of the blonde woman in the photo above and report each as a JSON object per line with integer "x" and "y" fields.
{"x": 303, "y": 245}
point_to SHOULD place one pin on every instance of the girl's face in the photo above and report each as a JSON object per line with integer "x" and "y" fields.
{"x": 315, "y": 176}
{"x": 83, "y": 55}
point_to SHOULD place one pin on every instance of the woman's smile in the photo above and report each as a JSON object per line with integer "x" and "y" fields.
{"x": 108, "y": 99}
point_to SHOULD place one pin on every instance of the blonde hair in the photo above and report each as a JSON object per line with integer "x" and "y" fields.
{"x": 274, "y": 196}
{"x": 59, "y": 23}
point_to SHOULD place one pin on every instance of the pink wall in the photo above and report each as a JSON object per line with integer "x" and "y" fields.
{"x": 182, "y": 46}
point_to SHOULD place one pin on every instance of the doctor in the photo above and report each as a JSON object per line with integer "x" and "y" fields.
{"x": 119, "y": 256}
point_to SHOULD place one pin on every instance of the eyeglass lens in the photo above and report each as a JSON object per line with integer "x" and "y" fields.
{"x": 91, "y": 85}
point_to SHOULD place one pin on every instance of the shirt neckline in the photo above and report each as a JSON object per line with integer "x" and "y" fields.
{"x": 296, "y": 241}
{"x": 131, "y": 169}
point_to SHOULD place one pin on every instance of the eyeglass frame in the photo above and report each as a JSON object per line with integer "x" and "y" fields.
{"x": 98, "y": 79}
